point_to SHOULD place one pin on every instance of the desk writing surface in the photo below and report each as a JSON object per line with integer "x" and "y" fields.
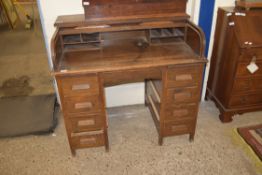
{"x": 127, "y": 55}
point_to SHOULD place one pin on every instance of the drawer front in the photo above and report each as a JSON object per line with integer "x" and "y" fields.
{"x": 89, "y": 104}
{"x": 181, "y": 112}
{"x": 184, "y": 76}
{"x": 248, "y": 54}
{"x": 183, "y": 95}
{"x": 173, "y": 128}
{"x": 244, "y": 85}
{"x": 246, "y": 100}
{"x": 86, "y": 141}
{"x": 80, "y": 85}
{"x": 242, "y": 70}
{"x": 88, "y": 123}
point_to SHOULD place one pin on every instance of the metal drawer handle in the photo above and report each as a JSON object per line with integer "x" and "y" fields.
{"x": 88, "y": 140}
{"x": 76, "y": 87}
{"x": 83, "y": 105}
{"x": 86, "y": 122}
{"x": 184, "y": 77}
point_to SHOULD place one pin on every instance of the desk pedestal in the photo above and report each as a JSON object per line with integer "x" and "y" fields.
{"x": 172, "y": 95}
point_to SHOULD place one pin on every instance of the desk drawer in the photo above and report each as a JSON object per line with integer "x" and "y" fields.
{"x": 174, "y": 128}
{"x": 183, "y": 95}
{"x": 130, "y": 76}
{"x": 246, "y": 100}
{"x": 242, "y": 70}
{"x": 184, "y": 76}
{"x": 181, "y": 112}
{"x": 88, "y": 140}
{"x": 87, "y": 123}
{"x": 244, "y": 85}
{"x": 89, "y": 104}
{"x": 248, "y": 54}
{"x": 80, "y": 85}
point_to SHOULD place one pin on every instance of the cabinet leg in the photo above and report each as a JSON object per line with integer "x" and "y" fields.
{"x": 226, "y": 117}
{"x": 106, "y": 141}
{"x": 160, "y": 140}
{"x": 207, "y": 96}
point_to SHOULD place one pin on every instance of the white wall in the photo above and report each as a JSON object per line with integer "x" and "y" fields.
{"x": 118, "y": 95}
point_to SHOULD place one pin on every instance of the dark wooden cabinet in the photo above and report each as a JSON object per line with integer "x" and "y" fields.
{"x": 93, "y": 52}
{"x": 238, "y": 45}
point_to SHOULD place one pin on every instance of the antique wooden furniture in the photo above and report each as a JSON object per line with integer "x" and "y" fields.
{"x": 144, "y": 42}
{"x": 234, "y": 83}
{"x": 248, "y": 4}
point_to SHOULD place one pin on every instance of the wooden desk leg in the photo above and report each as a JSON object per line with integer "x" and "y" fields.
{"x": 73, "y": 152}
{"x": 160, "y": 140}
{"x": 106, "y": 141}
{"x": 191, "y": 137}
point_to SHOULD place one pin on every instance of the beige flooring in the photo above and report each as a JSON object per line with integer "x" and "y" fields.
{"x": 23, "y": 54}
{"x": 134, "y": 149}
{"x": 26, "y": 84}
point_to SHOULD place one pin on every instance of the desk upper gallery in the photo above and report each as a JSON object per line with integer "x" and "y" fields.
{"x": 124, "y": 41}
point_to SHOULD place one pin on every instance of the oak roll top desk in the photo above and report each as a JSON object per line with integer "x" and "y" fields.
{"x": 151, "y": 41}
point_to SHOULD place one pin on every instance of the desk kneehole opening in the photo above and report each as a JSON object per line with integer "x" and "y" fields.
{"x": 153, "y": 107}
{"x": 155, "y": 91}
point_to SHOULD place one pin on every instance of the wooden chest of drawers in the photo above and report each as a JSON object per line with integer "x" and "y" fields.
{"x": 238, "y": 44}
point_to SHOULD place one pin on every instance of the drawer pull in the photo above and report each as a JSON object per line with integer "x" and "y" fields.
{"x": 182, "y": 96}
{"x": 76, "y": 87}
{"x": 180, "y": 112}
{"x": 88, "y": 140}
{"x": 86, "y": 122}
{"x": 83, "y": 105}
{"x": 154, "y": 107}
{"x": 184, "y": 77}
